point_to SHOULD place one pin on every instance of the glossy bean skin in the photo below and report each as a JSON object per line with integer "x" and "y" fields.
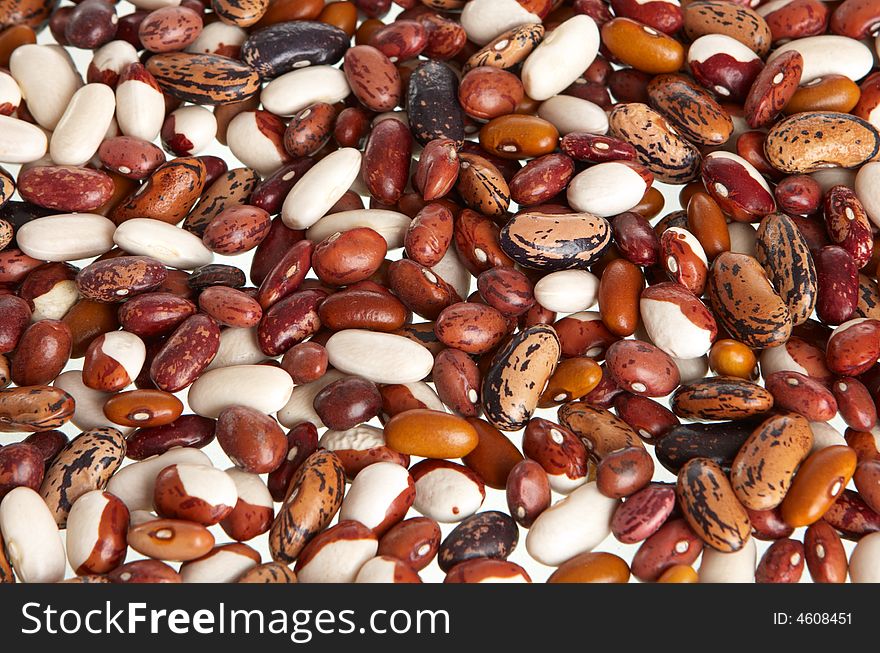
{"x": 143, "y": 408}
{"x": 448, "y": 239}
{"x": 801, "y": 394}
{"x": 818, "y": 483}
{"x": 837, "y": 285}
{"x": 783, "y": 562}
{"x": 415, "y": 541}
{"x": 768, "y": 524}
{"x": 851, "y": 516}
{"x": 623, "y": 473}
{"x": 825, "y": 556}
{"x": 674, "y": 543}
{"x": 716, "y": 516}
{"x": 185, "y": 431}
{"x": 866, "y": 479}
{"x": 528, "y": 492}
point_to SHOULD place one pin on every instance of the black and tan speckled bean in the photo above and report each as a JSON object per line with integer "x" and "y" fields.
{"x": 490, "y": 534}
{"x": 168, "y": 194}
{"x": 692, "y": 110}
{"x": 717, "y": 441}
{"x": 745, "y": 302}
{"x": 286, "y": 46}
{"x": 549, "y": 241}
{"x": 481, "y": 185}
{"x": 85, "y": 464}
{"x": 34, "y": 408}
{"x": 507, "y": 49}
{"x": 720, "y": 397}
{"x": 432, "y": 103}
{"x": 600, "y": 430}
{"x": 869, "y": 298}
{"x": 514, "y": 382}
{"x": 232, "y": 189}
{"x": 203, "y": 78}
{"x": 710, "y": 506}
{"x": 313, "y": 499}
{"x": 7, "y": 186}
{"x": 268, "y": 572}
{"x": 764, "y": 466}
{"x": 784, "y": 254}
{"x": 810, "y": 141}
{"x": 659, "y": 147}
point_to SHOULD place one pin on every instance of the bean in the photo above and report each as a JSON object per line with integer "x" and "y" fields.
{"x": 448, "y": 217}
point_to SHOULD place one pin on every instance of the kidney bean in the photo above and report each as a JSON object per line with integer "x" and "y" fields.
{"x": 801, "y": 394}
{"x": 825, "y": 555}
{"x": 819, "y": 482}
{"x": 185, "y": 431}
{"x": 641, "y": 368}
{"x": 867, "y": 480}
{"x": 855, "y": 403}
{"x": 540, "y": 110}
{"x": 494, "y": 457}
{"x": 624, "y": 472}
{"x": 673, "y": 544}
{"x": 43, "y": 351}
{"x": 783, "y": 562}
{"x": 768, "y": 524}
{"x": 348, "y": 257}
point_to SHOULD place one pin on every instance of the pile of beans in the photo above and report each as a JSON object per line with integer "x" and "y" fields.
{"x": 431, "y": 272}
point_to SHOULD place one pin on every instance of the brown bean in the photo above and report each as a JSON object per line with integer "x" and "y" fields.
{"x": 414, "y": 541}
{"x": 624, "y": 472}
{"x": 619, "y": 290}
{"x": 252, "y": 440}
{"x": 230, "y": 307}
{"x": 826, "y": 558}
{"x": 349, "y": 257}
{"x": 362, "y": 309}
{"x": 43, "y": 351}
{"x": 486, "y": 92}
{"x": 494, "y": 457}
{"x": 143, "y": 408}
{"x": 818, "y": 483}
{"x": 345, "y": 403}
{"x": 429, "y": 234}
{"x": 171, "y": 539}
{"x": 305, "y": 362}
